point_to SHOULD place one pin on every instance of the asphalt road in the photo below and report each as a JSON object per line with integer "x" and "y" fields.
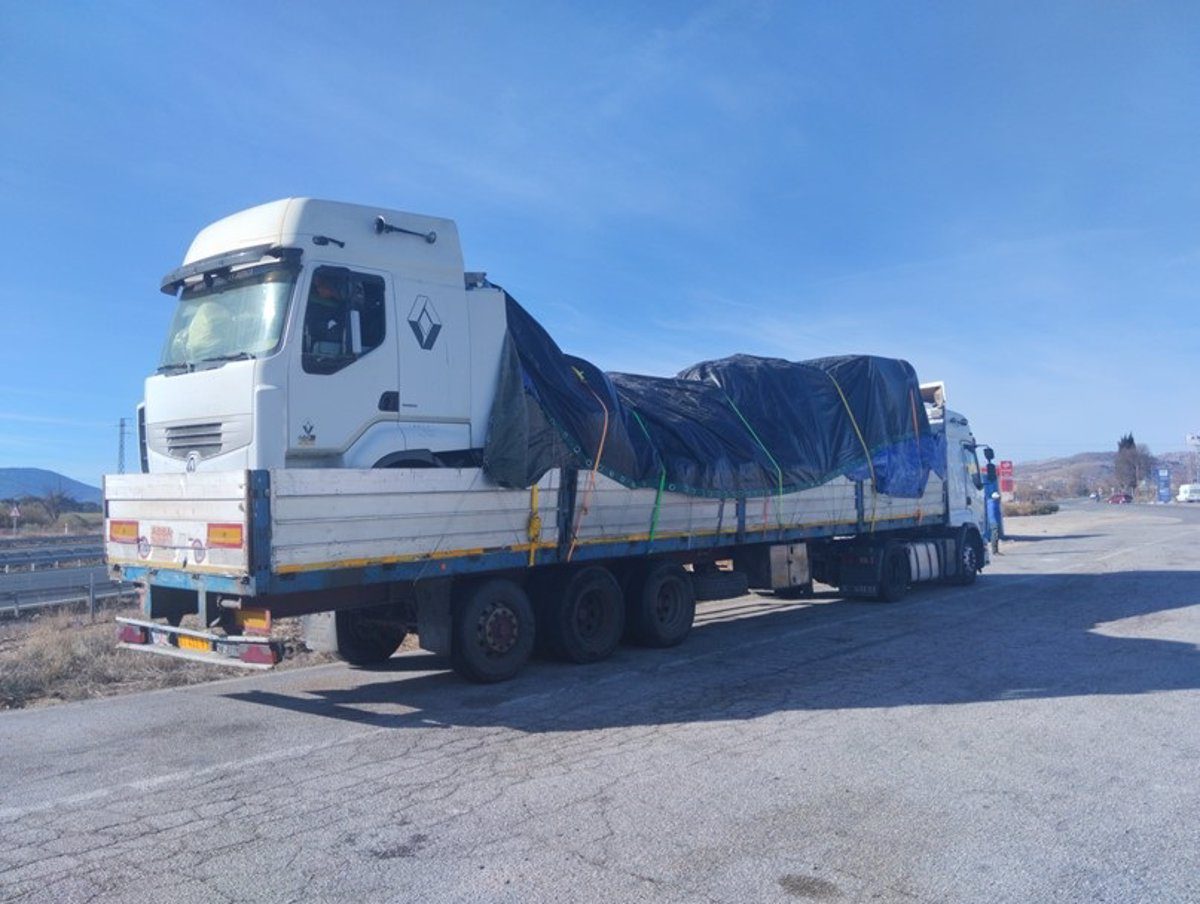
{"x": 1031, "y": 738}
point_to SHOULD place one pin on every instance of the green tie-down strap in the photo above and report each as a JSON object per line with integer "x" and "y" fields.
{"x": 767, "y": 452}
{"x": 662, "y": 477}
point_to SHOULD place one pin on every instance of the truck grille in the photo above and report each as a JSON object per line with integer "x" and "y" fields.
{"x": 207, "y": 438}
{"x": 203, "y": 439}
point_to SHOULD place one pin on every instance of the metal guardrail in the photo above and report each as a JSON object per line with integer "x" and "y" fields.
{"x": 26, "y": 541}
{"x": 40, "y": 590}
{"x": 33, "y": 557}
{"x": 16, "y": 605}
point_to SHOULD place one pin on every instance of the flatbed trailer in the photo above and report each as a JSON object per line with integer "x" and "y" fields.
{"x": 476, "y": 570}
{"x": 347, "y": 425}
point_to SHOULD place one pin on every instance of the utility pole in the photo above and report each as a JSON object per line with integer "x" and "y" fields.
{"x": 121, "y": 447}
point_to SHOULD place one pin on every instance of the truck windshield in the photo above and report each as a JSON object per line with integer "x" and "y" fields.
{"x": 231, "y": 316}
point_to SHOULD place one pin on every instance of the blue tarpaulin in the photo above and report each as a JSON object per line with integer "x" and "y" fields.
{"x": 740, "y": 426}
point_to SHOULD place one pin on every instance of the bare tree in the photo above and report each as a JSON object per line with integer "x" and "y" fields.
{"x": 56, "y": 501}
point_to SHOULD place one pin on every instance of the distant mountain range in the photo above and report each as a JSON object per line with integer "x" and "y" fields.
{"x": 18, "y": 482}
{"x": 1080, "y": 474}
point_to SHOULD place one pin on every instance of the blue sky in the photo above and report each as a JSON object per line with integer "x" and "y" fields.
{"x": 658, "y": 183}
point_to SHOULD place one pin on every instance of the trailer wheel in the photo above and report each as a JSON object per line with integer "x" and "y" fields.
{"x": 970, "y": 555}
{"x": 493, "y": 632}
{"x": 660, "y": 606}
{"x": 719, "y": 585}
{"x": 363, "y": 640}
{"x": 583, "y": 615}
{"x": 894, "y": 574}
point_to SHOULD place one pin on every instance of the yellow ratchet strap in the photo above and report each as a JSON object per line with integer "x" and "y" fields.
{"x": 535, "y": 524}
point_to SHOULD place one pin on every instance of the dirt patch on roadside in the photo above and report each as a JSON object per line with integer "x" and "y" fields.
{"x": 61, "y": 656}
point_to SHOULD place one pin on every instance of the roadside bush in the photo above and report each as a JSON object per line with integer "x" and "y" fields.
{"x": 1038, "y": 507}
{"x": 33, "y": 514}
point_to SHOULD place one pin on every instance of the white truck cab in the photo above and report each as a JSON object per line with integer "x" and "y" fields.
{"x": 314, "y": 333}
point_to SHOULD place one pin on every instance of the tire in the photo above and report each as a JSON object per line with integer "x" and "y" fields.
{"x": 970, "y": 555}
{"x": 363, "y": 640}
{"x": 493, "y": 631}
{"x": 719, "y": 585}
{"x": 797, "y": 592}
{"x": 660, "y": 606}
{"x": 582, "y": 615}
{"x": 894, "y": 574}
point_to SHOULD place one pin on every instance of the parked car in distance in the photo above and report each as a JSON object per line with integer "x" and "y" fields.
{"x": 1188, "y": 492}
{"x": 1120, "y": 499}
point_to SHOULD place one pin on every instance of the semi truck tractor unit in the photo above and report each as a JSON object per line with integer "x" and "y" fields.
{"x": 346, "y": 425}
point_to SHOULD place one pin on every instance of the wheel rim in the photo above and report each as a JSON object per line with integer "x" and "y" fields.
{"x": 667, "y": 603}
{"x": 968, "y": 558}
{"x": 498, "y": 630}
{"x": 589, "y": 615}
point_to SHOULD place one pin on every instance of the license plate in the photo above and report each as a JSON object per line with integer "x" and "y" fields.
{"x": 194, "y": 643}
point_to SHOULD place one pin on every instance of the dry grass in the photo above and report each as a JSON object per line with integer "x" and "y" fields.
{"x": 52, "y": 658}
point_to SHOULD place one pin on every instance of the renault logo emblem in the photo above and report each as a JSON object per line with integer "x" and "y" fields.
{"x": 425, "y": 322}
{"x": 193, "y": 459}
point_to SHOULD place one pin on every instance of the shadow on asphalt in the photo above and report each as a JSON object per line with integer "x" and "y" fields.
{"x": 1008, "y": 637}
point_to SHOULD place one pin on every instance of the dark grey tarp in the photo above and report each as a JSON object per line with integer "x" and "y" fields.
{"x": 740, "y": 426}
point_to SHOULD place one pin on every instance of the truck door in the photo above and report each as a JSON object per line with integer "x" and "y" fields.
{"x": 344, "y": 363}
{"x": 965, "y": 487}
{"x": 435, "y": 362}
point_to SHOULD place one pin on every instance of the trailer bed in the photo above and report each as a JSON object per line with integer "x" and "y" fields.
{"x": 270, "y": 532}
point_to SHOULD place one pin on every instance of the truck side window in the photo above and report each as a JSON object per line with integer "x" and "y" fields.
{"x": 334, "y": 295}
{"x": 971, "y": 463}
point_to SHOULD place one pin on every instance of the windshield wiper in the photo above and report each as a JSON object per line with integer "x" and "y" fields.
{"x": 177, "y": 368}
{"x": 236, "y": 356}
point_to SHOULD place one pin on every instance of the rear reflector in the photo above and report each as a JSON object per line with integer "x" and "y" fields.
{"x": 123, "y": 531}
{"x": 225, "y": 536}
{"x": 253, "y": 621}
{"x": 131, "y": 634}
{"x": 187, "y": 642}
{"x": 259, "y": 653}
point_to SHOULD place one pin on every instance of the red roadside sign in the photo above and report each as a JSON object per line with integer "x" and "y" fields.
{"x": 1006, "y": 477}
